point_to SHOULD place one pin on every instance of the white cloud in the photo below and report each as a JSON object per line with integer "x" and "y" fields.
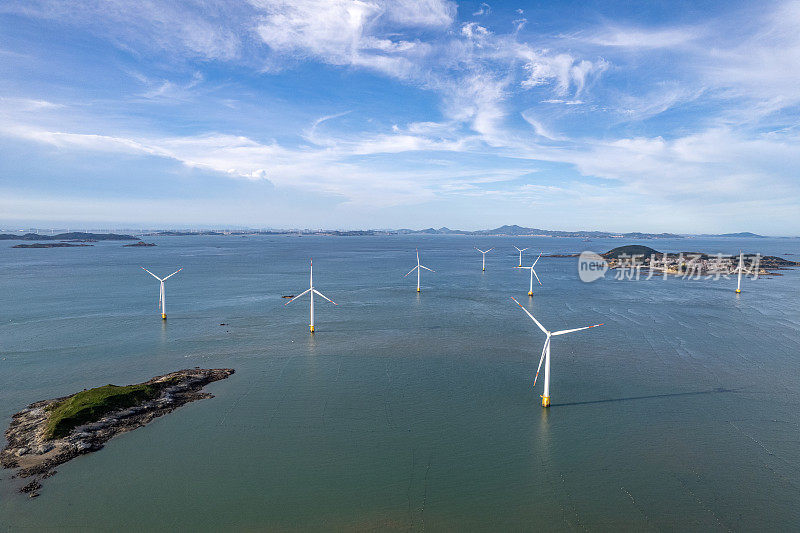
{"x": 538, "y": 127}
{"x": 188, "y": 28}
{"x": 484, "y": 9}
{"x": 642, "y": 37}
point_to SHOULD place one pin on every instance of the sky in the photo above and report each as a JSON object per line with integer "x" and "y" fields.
{"x": 620, "y": 116}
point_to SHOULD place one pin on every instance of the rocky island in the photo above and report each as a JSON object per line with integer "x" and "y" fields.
{"x": 694, "y": 263}
{"x": 140, "y": 243}
{"x": 50, "y": 245}
{"x": 636, "y": 256}
{"x": 51, "y": 432}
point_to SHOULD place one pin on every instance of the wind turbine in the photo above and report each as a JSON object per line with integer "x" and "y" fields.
{"x": 533, "y": 273}
{"x": 546, "y": 353}
{"x": 161, "y": 295}
{"x": 418, "y": 268}
{"x": 313, "y": 291}
{"x": 739, "y": 276}
{"x": 484, "y": 255}
{"x": 520, "y": 250}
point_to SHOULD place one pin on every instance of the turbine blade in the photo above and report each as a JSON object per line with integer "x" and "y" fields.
{"x": 562, "y": 332}
{"x": 181, "y": 268}
{"x": 412, "y": 270}
{"x": 537, "y": 260}
{"x": 541, "y": 327}
{"x": 544, "y": 350}
{"x": 159, "y": 279}
{"x": 489, "y": 250}
{"x": 426, "y": 268}
{"x": 537, "y": 276}
{"x": 298, "y": 296}
{"x": 320, "y": 294}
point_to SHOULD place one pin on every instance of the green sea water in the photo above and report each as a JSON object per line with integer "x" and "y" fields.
{"x": 409, "y": 411}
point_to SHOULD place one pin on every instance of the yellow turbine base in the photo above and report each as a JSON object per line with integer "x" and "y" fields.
{"x": 417, "y": 290}
{"x": 311, "y": 329}
{"x": 545, "y": 401}
{"x": 530, "y": 293}
{"x": 163, "y": 316}
{"x": 484, "y": 270}
{"x": 738, "y": 291}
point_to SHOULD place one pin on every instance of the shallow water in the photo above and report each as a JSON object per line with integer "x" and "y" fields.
{"x": 409, "y": 411}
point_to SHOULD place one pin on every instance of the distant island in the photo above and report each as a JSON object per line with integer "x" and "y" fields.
{"x": 75, "y": 236}
{"x": 140, "y": 243}
{"x": 512, "y": 230}
{"x": 696, "y": 263}
{"x": 506, "y": 230}
{"x": 51, "y": 432}
{"x": 50, "y": 245}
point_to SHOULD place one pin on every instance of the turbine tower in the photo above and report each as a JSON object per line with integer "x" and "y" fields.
{"x": 484, "y": 255}
{"x": 313, "y": 291}
{"x": 739, "y": 275}
{"x": 162, "y": 300}
{"x": 520, "y": 250}
{"x": 533, "y": 273}
{"x": 418, "y": 268}
{"x": 546, "y": 353}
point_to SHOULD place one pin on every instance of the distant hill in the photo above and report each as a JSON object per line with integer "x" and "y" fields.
{"x": 629, "y": 251}
{"x": 741, "y": 234}
{"x": 514, "y": 229}
{"x": 71, "y": 236}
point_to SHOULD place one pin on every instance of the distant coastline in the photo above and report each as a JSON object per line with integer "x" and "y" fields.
{"x": 75, "y": 236}
{"x": 501, "y": 231}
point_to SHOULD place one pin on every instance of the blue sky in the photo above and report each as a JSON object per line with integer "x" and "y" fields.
{"x": 659, "y": 116}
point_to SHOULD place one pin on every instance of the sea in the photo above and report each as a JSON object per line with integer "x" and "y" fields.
{"x": 411, "y": 411}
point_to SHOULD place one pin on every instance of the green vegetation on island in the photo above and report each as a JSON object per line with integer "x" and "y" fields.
{"x": 629, "y": 251}
{"x": 49, "y": 433}
{"x": 92, "y": 404}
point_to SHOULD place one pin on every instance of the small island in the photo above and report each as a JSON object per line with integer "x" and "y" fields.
{"x": 74, "y": 236}
{"x": 696, "y": 263}
{"x": 140, "y": 243}
{"x": 637, "y": 256}
{"x": 50, "y": 245}
{"x": 49, "y": 433}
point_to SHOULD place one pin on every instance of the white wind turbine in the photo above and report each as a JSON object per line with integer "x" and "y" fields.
{"x": 533, "y": 273}
{"x": 161, "y": 295}
{"x": 313, "y": 291}
{"x": 484, "y": 255}
{"x": 418, "y": 268}
{"x": 739, "y": 276}
{"x": 546, "y": 353}
{"x": 520, "y": 250}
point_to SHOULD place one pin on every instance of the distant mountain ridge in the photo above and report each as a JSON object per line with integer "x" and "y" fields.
{"x": 505, "y": 230}
{"x": 515, "y": 230}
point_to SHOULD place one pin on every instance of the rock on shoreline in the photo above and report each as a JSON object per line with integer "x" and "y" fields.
{"x": 36, "y": 457}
